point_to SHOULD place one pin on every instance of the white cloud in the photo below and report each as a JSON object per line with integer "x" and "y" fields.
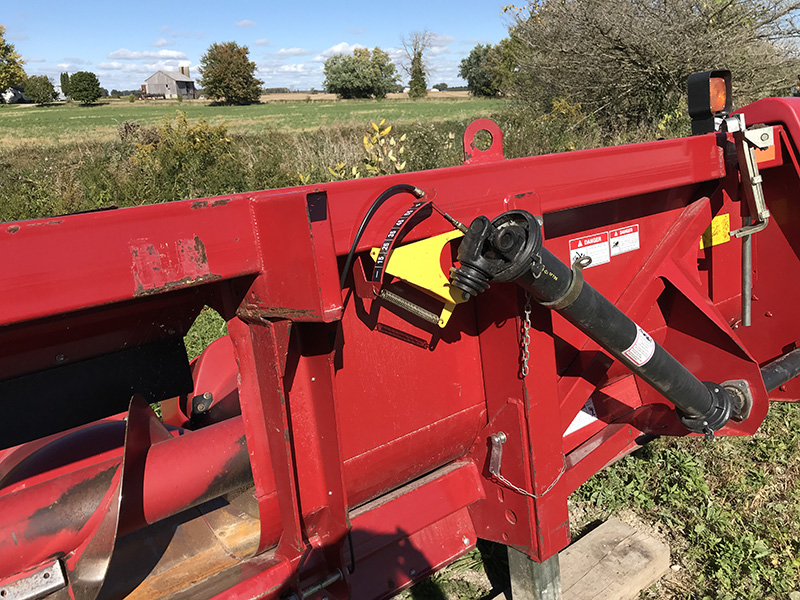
{"x": 294, "y": 52}
{"x": 245, "y": 23}
{"x": 146, "y": 69}
{"x": 76, "y": 61}
{"x": 295, "y": 68}
{"x": 440, "y": 44}
{"x": 261, "y": 42}
{"x": 356, "y": 31}
{"x": 340, "y": 48}
{"x": 33, "y": 59}
{"x": 161, "y": 42}
{"x": 125, "y": 54}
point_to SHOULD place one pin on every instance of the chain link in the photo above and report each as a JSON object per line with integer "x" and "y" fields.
{"x": 519, "y": 490}
{"x": 526, "y": 336}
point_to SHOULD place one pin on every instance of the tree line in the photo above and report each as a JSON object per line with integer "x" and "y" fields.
{"x": 620, "y": 61}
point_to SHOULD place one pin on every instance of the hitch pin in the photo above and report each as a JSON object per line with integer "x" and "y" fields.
{"x": 497, "y": 439}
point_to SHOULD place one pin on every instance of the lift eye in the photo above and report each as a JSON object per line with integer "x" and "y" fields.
{"x": 709, "y": 99}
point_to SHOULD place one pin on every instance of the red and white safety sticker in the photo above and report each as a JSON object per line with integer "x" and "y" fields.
{"x": 594, "y": 246}
{"x": 625, "y": 239}
{"x": 642, "y": 349}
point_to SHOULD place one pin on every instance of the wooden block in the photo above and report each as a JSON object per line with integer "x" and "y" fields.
{"x": 613, "y": 562}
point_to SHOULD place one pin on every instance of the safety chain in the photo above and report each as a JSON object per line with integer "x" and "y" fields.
{"x": 519, "y": 490}
{"x": 526, "y": 336}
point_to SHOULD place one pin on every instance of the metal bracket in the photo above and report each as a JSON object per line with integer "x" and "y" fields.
{"x": 742, "y": 396}
{"x": 575, "y": 286}
{"x": 746, "y": 141}
{"x": 497, "y": 439}
{"x": 38, "y": 584}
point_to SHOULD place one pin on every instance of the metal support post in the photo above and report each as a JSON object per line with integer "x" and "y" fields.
{"x": 531, "y": 580}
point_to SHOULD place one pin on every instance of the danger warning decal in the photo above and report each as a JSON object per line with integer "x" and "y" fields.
{"x": 624, "y": 240}
{"x": 600, "y": 247}
{"x": 594, "y": 246}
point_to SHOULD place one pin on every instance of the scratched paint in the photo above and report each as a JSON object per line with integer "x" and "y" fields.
{"x": 162, "y": 266}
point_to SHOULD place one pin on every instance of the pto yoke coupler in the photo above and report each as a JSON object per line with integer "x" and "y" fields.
{"x": 510, "y": 249}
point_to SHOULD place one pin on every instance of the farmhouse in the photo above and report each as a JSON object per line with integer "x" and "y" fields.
{"x": 171, "y": 84}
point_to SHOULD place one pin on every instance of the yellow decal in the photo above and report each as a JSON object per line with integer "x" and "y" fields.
{"x": 719, "y": 232}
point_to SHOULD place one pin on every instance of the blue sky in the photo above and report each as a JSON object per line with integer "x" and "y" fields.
{"x": 125, "y": 41}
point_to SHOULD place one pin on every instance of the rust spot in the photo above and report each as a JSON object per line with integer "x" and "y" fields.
{"x": 73, "y": 508}
{"x": 13, "y": 229}
{"x": 220, "y": 203}
{"x": 169, "y": 265}
{"x": 141, "y": 291}
{"x": 199, "y": 204}
{"x": 200, "y": 248}
{"x": 256, "y": 313}
{"x": 54, "y": 222}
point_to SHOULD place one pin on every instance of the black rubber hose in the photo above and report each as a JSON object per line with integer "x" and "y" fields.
{"x": 392, "y": 191}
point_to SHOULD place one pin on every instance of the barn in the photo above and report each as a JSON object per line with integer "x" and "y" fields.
{"x": 171, "y": 84}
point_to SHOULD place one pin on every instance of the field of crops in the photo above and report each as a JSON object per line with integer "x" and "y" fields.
{"x": 63, "y": 123}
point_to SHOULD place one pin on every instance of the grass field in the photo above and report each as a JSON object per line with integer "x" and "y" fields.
{"x": 62, "y": 123}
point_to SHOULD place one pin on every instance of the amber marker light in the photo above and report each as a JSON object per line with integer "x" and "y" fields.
{"x": 719, "y": 94}
{"x": 709, "y": 99}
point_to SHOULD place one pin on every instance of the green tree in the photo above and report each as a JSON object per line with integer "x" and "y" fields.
{"x": 365, "y": 74}
{"x": 84, "y": 87}
{"x": 440, "y": 86}
{"x": 414, "y": 48}
{"x": 11, "y": 71}
{"x": 228, "y": 75}
{"x": 476, "y": 69}
{"x": 40, "y": 89}
{"x": 629, "y": 61}
{"x": 65, "y": 84}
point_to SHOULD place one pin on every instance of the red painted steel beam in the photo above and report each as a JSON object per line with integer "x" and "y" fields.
{"x": 99, "y": 258}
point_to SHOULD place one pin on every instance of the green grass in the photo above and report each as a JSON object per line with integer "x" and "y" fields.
{"x": 63, "y": 123}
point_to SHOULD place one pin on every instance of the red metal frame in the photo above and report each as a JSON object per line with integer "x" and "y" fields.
{"x": 363, "y": 424}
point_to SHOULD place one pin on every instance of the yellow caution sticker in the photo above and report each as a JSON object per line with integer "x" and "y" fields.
{"x": 719, "y": 232}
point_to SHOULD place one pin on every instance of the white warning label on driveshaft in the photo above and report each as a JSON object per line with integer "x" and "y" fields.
{"x": 594, "y": 246}
{"x": 642, "y": 348}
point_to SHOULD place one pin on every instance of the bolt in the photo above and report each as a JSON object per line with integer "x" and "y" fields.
{"x": 465, "y": 539}
{"x": 60, "y": 358}
{"x": 499, "y": 438}
{"x": 768, "y": 314}
{"x": 783, "y": 388}
{"x": 207, "y": 396}
{"x": 201, "y": 407}
{"x": 413, "y": 572}
{"x": 764, "y": 137}
{"x": 46, "y": 575}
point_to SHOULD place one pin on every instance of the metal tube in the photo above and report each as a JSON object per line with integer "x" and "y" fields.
{"x": 704, "y": 406}
{"x": 509, "y": 249}
{"x": 747, "y": 275}
{"x": 781, "y": 370}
